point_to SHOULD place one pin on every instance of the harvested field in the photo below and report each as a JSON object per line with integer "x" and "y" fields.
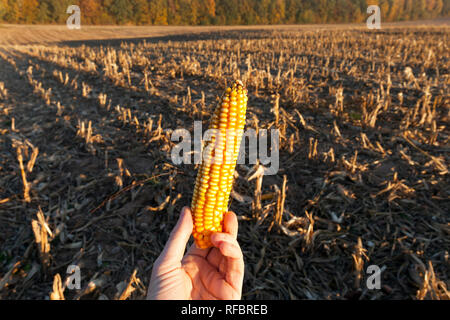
{"x": 86, "y": 176}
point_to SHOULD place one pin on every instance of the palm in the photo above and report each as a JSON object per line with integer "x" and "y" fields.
{"x": 214, "y": 273}
{"x": 209, "y": 275}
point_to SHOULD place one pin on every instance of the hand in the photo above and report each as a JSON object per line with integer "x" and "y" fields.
{"x": 213, "y": 273}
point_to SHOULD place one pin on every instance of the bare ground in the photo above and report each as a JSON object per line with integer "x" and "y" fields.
{"x": 364, "y": 185}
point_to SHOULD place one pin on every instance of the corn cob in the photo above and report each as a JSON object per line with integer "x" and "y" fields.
{"x": 215, "y": 175}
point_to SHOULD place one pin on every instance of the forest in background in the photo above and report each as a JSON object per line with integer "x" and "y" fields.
{"x": 217, "y": 12}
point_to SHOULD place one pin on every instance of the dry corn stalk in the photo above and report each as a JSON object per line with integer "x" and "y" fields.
{"x": 358, "y": 260}
{"x": 3, "y": 91}
{"x": 279, "y": 207}
{"x": 32, "y": 160}
{"x": 58, "y": 291}
{"x": 41, "y": 232}
{"x": 126, "y": 293}
{"x": 256, "y": 203}
{"x": 26, "y": 186}
{"x": 215, "y": 176}
{"x": 432, "y": 287}
{"x": 6, "y": 278}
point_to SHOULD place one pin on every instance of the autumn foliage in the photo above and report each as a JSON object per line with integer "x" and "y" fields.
{"x": 222, "y": 12}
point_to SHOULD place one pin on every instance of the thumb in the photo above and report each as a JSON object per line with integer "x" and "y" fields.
{"x": 174, "y": 249}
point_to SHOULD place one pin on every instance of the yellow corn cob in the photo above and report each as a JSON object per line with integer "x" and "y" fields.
{"x": 215, "y": 175}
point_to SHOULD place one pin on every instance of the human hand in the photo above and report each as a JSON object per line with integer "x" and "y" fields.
{"x": 213, "y": 273}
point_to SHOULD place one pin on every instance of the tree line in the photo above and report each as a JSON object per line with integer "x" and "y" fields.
{"x": 217, "y": 12}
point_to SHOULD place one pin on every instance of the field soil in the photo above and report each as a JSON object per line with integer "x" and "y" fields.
{"x": 86, "y": 176}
